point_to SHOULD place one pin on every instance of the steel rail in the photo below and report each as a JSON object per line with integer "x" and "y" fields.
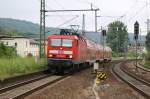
{"x": 135, "y": 77}
{"x": 18, "y": 84}
{"x": 140, "y": 66}
{"x": 138, "y": 85}
{"x": 27, "y": 89}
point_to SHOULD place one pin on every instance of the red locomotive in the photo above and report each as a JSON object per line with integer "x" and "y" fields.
{"x": 67, "y": 51}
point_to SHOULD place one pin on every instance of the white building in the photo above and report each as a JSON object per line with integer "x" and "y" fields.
{"x": 24, "y": 46}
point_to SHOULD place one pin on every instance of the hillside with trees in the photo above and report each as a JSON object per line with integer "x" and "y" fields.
{"x": 15, "y": 27}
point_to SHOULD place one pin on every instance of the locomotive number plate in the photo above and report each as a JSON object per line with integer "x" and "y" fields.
{"x": 60, "y": 52}
{"x": 61, "y": 56}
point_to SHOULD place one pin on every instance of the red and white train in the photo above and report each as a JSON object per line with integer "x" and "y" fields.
{"x": 67, "y": 51}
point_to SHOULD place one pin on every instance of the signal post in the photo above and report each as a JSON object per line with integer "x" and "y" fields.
{"x": 136, "y": 33}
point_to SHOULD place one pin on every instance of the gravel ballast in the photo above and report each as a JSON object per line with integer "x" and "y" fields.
{"x": 80, "y": 86}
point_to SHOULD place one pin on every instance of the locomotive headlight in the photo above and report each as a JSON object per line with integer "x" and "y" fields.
{"x": 70, "y": 56}
{"x": 50, "y": 55}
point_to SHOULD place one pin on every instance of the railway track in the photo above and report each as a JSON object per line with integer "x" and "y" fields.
{"x": 14, "y": 82}
{"x": 140, "y": 66}
{"x": 138, "y": 84}
{"x": 27, "y": 87}
{"x": 135, "y": 76}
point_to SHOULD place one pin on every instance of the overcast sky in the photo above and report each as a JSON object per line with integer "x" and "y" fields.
{"x": 130, "y": 10}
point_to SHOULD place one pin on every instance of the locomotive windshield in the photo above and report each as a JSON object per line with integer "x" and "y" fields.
{"x": 67, "y": 42}
{"x": 61, "y": 42}
{"x": 55, "y": 42}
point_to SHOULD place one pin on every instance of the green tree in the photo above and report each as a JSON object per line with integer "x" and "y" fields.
{"x": 148, "y": 46}
{"x": 13, "y": 33}
{"x": 117, "y": 36}
{"x": 0, "y": 30}
{"x": 148, "y": 42}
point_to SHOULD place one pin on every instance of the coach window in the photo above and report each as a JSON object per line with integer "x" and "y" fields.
{"x": 67, "y": 43}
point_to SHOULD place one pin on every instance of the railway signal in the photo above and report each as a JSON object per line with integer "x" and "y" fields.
{"x": 136, "y": 30}
{"x": 103, "y": 34}
{"x": 136, "y": 33}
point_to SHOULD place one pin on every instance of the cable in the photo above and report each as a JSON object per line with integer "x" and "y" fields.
{"x": 126, "y": 13}
{"x": 60, "y": 15}
{"x": 45, "y": 4}
{"x": 59, "y": 4}
{"x": 52, "y": 9}
{"x": 139, "y": 11}
{"x": 130, "y": 8}
{"x": 110, "y": 16}
{"x": 86, "y": 2}
{"x": 68, "y": 21}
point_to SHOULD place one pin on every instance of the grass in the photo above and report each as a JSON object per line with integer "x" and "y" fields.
{"x": 127, "y": 55}
{"x": 19, "y": 66}
{"x": 121, "y": 58}
{"x": 117, "y": 58}
{"x": 147, "y": 64}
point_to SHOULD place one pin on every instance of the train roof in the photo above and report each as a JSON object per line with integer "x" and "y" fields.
{"x": 63, "y": 36}
{"x": 108, "y": 48}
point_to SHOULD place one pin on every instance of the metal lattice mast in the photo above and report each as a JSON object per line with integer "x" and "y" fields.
{"x": 83, "y": 25}
{"x": 42, "y": 27}
{"x": 148, "y": 27}
{"x": 42, "y": 22}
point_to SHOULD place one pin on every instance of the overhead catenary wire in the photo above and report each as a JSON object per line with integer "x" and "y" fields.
{"x": 66, "y": 22}
{"x": 126, "y": 14}
{"x": 59, "y": 4}
{"x": 62, "y": 7}
{"x": 87, "y": 2}
{"x": 129, "y": 18}
{"x": 121, "y": 16}
{"x": 129, "y": 10}
{"x": 137, "y": 12}
{"x": 55, "y": 15}
{"x": 46, "y": 6}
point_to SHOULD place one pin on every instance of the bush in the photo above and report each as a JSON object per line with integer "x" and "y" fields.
{"x": 147, "y": 64}
{"x": 114, "y": 54}
{"x": 127, "y": 55}
{"x": 147, "y": 56}
{"x": 6, "y": 51}
{"x": 131, "y": 54}
{"x": 19, "y": 66}
{"x": 148, "y": 42}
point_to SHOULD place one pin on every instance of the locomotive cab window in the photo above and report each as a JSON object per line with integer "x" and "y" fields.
{"x": 67, "y": 43}
{"x": 61, "y": 42}
{"x": 55, "y": 42}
